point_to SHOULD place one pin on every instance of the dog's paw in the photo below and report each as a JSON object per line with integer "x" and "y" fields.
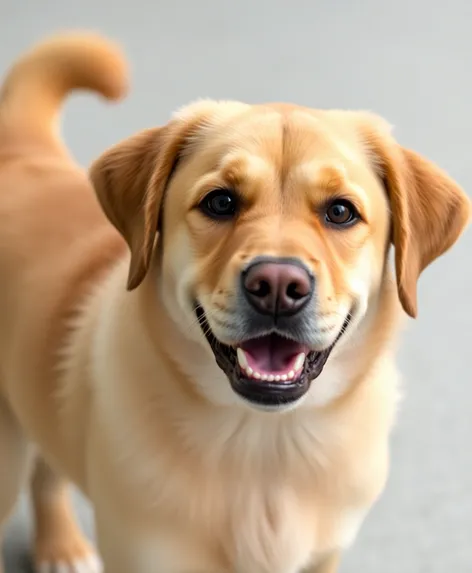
{"x": 73, "y": 558}
{"x": 88, "y": 564}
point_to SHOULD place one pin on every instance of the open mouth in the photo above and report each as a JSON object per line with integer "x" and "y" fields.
{"x": 270, "y": 370}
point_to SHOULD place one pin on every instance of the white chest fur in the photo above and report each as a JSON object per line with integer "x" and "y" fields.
{"x": 253, "y": 546}
{"x": 261, "y": 497}
{"x": 216, "y": 488}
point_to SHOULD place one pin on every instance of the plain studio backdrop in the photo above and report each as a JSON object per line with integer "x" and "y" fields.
{"x": 409, "y": 60}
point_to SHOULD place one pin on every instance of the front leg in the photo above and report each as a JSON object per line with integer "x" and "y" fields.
{"x": 129, "y": 547}
{"x": 329, "y": 564}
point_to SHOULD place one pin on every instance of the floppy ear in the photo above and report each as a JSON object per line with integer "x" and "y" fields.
{"x": 429, "y": 210}
{"x": 130, "y": 180}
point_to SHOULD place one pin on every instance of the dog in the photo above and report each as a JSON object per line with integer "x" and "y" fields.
{"x": 201, "y": 332}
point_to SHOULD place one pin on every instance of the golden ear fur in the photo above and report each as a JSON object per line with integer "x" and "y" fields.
{"x": 130, "y": 180}
{"x": 429, "y": 209}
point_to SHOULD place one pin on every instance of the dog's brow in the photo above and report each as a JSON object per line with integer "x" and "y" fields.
{"x": 238, "y": 167}
{"x": 332, "y": 177}
{"x": 327, "y": 176}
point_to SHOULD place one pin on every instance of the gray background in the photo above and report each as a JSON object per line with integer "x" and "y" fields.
{"x": 409, "y": 60}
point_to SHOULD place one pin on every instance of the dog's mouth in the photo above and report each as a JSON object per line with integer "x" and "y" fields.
{"x": 269, "y": 370}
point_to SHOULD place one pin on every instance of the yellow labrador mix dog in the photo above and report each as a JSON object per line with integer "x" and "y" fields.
{"x": 207, "y": 350}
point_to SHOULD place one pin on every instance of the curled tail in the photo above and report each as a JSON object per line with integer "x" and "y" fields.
{"x": 37, "y": 84}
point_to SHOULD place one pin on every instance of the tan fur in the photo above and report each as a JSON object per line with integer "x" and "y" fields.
{"x": 119, "y": 387}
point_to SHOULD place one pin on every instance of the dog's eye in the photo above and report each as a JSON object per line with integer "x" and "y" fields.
{"x": 341, "y": 212}
{"x": 220, "y": 204}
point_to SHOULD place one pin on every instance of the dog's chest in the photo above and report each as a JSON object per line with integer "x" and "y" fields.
{"x": 258, "y": 530}
{"x": 280, "y": 531}
{"x": 261, "y": 507}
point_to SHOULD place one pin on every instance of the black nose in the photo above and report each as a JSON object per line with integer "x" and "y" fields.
{"x": 278, "y": 288}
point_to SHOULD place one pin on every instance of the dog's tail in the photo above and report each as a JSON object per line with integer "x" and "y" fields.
{"x": 36, "y": 85}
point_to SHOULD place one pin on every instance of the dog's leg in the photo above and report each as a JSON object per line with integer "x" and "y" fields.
{"x": 329, "y": 565}
{"x": 59, "y": 543}
{"x": 13, "y": 465}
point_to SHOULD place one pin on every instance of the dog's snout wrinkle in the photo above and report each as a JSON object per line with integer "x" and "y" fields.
{"x": 277, "y": 287}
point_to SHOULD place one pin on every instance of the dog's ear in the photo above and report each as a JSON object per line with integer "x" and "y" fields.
{"x": 130, "y": 180}
{"x": 429, "y": 210}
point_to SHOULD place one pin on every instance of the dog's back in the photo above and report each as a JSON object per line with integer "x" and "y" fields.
{"x": 54, "y": 240}
{"x": 53, "y": 235}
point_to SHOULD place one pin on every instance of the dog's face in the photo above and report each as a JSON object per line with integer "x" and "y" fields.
{"x": 271, "y": 238}
{"x": 274, "y": 226}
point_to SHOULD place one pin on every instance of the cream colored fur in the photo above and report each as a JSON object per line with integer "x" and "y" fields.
{"x": 119, "y": 390}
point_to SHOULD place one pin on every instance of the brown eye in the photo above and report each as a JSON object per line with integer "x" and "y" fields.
{"x": 220, "y": 204}
{"x": 341, "y": 213}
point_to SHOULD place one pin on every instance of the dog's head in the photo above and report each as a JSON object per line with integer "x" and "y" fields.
{"x": 273, "y": 225}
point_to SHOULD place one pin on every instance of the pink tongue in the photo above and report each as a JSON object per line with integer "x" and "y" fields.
{"x": 272, "y": 354}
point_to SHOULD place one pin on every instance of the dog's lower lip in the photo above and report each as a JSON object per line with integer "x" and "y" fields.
{"x": 267, "y": 388}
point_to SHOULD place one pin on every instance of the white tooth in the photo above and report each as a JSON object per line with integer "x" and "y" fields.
{"x": 284, "y": 377}
{"x": 241, "y": 358}
{"x": 300, "y": 360}
{"x": 291, "y": 374}
{"x": 264, "y": 377}
{"x": 249, "y": 370}
{"x": 277, "y": 378}
{"x": 270, "y": 378}
{"x": 257, "y": 376}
